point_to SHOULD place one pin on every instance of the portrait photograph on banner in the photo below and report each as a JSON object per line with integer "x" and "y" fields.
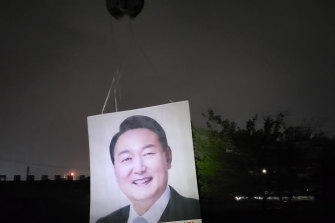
{"x": 142, "y": 166}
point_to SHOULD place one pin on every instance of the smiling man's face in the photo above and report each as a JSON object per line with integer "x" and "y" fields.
{"x": 141, "y": 166}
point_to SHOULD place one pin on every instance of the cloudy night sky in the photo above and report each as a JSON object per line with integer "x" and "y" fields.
{"x": 58, "y": 59}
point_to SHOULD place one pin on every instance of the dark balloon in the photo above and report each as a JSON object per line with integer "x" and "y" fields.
{"x": 119, "y": 8}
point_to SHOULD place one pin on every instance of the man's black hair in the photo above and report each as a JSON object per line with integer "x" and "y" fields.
{"x": 136, "y": 122}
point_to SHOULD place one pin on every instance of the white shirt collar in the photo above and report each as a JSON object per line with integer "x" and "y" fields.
{"x": 155, "y": 212}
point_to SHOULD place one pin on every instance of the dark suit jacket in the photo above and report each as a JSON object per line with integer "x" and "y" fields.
{"x": 179, "y": 208}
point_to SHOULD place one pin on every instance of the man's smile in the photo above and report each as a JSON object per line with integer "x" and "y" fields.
{"x": 142, "y": 181}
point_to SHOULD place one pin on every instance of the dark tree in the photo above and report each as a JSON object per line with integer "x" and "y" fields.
{"x": 274, "y": 159}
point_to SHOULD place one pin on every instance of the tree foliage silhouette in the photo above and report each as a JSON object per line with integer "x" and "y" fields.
{"x": 272, "y": 159}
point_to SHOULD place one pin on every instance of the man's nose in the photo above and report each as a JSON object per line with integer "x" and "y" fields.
{"x": 139, "y": 166}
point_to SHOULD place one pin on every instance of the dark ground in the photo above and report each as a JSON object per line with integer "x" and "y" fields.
{"x": 68, "y": 201}
{"x": 45, "y": 201}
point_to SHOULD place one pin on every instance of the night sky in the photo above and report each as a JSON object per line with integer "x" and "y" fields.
{"x": 58, "y": 59}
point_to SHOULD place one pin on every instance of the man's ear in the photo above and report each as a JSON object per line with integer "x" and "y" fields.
{"x": 168, "y": 155}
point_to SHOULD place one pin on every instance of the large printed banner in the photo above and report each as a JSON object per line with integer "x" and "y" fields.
{"x": 142, "y": 166}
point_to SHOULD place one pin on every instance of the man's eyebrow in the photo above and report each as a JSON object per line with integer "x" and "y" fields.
{"x": 123, "y": 152}
{"x": 148, "y": 146}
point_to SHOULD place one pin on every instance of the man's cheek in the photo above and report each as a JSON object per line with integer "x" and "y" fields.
{"x": 121, "y": 173}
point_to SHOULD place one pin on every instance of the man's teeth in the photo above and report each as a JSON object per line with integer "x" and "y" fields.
{"x": 142, "y": 181}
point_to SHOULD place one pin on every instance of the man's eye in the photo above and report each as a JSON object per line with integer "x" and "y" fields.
{"x": 126, "y": 160}
{"x": 149, "y": 154}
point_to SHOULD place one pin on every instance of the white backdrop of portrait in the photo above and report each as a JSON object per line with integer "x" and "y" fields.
{"x": 106, "y": 195}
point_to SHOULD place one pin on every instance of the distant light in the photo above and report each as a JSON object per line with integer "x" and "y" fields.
{"x": 264, "y": 171}
{"x": 285, "y": 199}
{"x": 273, "y": 198}
{"x": 303, "y": 198}
{"x": 238, "y": 198}
{"x": 72, "y": 174}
